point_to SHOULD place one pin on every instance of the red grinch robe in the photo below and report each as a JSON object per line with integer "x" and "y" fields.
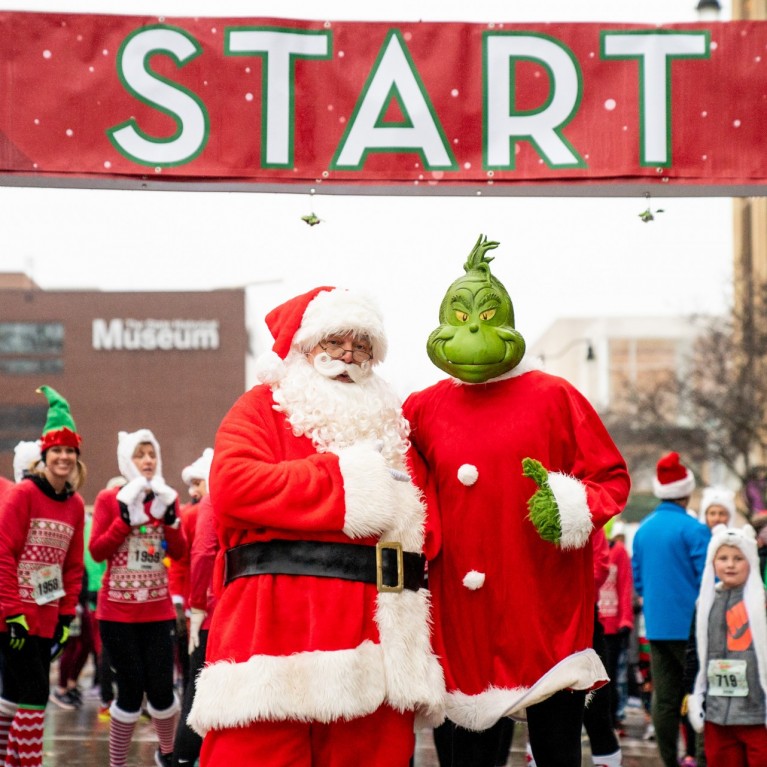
{"x": 513, "y": 613}
{"x": 287, "y": 648}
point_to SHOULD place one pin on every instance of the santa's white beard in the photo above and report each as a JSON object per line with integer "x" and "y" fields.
{"x": 337, "y": 414}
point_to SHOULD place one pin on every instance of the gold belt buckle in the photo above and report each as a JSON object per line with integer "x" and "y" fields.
{"x": 380, "y": 585}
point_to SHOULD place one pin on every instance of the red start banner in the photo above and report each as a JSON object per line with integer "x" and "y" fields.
{"x": 383, "y": 107}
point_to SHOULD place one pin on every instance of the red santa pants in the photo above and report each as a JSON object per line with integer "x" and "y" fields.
{"x": 735, "y": 745}
{"x": 385, "y": 738}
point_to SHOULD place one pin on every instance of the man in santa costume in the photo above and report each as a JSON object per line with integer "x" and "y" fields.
{"x": 319, "y": 651}
{"x": 519, "y": 471}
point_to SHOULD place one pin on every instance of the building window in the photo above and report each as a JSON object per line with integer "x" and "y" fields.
{"x": 20, "y": 423}
{"x": 31, "y": 348}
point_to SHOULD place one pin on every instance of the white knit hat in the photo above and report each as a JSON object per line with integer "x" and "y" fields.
{"x": 199, "y": 469}
{"x": 743, "y": 538}
{"x": 717, "y": 496}
{"x": 25, "y": 455}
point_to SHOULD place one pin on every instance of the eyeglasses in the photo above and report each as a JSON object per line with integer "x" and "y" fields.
{"x": 361, "y": 352}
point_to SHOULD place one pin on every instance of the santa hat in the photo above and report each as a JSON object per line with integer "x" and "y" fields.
{"x": 59, "y": 429}
{"x": 717, "y": 496}
{"x": 127, "y": 442}
{"x": 199, "y": 469}
{"x": 25, "y": 456}
{"x": 743, "y": 538}
{"x": 673, "y": 479}
{"x": 302, "y": 322}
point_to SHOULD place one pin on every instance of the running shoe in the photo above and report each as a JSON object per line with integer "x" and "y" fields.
{"x": 62, "y": 700}
{"x": 163, "y": 760}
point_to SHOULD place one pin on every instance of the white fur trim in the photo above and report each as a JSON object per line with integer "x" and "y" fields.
{"x": 340, "y": 311}
{"x": 474, "y": 580}
{"x": 574, "y": 514}
{"x": 166, "y": 713}
{"x": 468, "y": 474}
{"x": 369, "y": 490}
{"x": 580, "y": 671}
{"x": 126, "y": 717}
{"x": 679, "y": 489}
{"x": 269, "y": 368}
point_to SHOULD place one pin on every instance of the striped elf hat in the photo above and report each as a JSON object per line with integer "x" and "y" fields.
{"x": 59, "y": 429}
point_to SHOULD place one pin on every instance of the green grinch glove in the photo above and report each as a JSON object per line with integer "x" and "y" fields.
{"x": 544, "y": 511}
{"x": 18, "y": 630}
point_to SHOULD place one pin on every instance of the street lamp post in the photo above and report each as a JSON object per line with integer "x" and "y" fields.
{"x": 708, "y": 10}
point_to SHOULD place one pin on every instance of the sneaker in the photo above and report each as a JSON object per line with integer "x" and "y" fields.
{"x": 688, "y": 761}
{"x": 105, "y": 714}
{"x": 163, "y": 760}
{"x": 75, "y": 696}
{"x": 649, "y": 733}
{"x": 62, "y": 700}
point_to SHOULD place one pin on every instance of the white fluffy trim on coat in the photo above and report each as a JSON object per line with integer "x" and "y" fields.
{"x": 574, "y": 515}
{"x": 580, "y": 671}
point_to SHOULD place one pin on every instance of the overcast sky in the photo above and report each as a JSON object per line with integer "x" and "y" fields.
{"x": 558, "y": 257}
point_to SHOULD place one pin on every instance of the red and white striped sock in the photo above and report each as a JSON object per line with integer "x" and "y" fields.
{"x": 25, "y": 738}
{"x": 121, "y": 726}
{"x": 164, "y": 723}
{"x": 7, "y": 712}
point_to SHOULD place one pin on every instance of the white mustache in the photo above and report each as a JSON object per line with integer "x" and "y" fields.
{"x": 323, "y": 363}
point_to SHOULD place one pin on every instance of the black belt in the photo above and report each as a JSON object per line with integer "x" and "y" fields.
{"x": 385, "y": 564}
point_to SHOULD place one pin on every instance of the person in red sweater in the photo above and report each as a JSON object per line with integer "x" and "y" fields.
{"x": 41, "y": 570}
{"x": 616, "y": 611}
{"x": 134, "y": 527}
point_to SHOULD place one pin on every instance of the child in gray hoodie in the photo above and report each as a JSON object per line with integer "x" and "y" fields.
{"x": 729, "y": 699}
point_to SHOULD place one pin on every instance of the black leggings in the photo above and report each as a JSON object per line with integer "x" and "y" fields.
{"x": 141, "y": 655}
{"x": 26, "y": 671}
{"x": 554, "y": 727}
{"x": 188, "y": 743}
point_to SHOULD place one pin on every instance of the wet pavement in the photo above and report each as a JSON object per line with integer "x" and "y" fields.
{"x": 80, "y": 739}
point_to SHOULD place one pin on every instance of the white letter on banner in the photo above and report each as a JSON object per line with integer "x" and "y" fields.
{"x": 394, "y": 76}
{"x": 181, "y": 105}
{"x": 655, "y": 50}
{"x": 279, "y": 47}
{"x": 504, "y": 124}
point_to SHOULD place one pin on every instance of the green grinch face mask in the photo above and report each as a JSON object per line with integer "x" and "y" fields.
{"x": 476, "y": 340}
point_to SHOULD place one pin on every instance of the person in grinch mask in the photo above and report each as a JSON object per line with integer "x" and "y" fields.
{"x": 41, "y": 572}
{"x": 518, "y": 471}
{"x": 319, "y": 651}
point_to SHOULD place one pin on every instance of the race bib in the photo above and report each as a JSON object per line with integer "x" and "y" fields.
{"x": 144, "y": 554}
{"x": 727, "y": 678}
{"x": 47, "y": 584}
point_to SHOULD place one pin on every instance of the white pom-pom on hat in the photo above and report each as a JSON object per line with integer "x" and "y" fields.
{"x": 474, "y": 580}
{"x": 467, "y": 474}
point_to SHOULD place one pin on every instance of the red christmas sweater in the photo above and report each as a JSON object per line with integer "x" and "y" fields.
{"x": 309, "y": 648}
{"x": 513, "y": 613}
{"x": 179, "y": 570}
{"x": 135, "y": 584}
{"x": 202, "y": 561}
{"x": 38, "y": 534}
{"x": 616, "y": 596}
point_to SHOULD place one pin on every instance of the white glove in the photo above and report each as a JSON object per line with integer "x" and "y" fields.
{"x": 164, "y": 496}
{"x": 133, "y": 490}
{"x": 132, "y": 495}
{"x": 195, "y": 621}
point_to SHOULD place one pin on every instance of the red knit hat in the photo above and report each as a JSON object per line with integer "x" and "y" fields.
{"x": 285, "y": 320}
{"x": 673, "y": 479}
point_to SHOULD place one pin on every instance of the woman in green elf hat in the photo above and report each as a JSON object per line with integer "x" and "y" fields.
{"x": 41, "y": 570}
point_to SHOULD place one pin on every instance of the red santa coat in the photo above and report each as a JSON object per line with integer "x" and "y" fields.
{"x": 513, "y": 613}
{"x": 302, "y": 647}
{"x": 35, "y": 531}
